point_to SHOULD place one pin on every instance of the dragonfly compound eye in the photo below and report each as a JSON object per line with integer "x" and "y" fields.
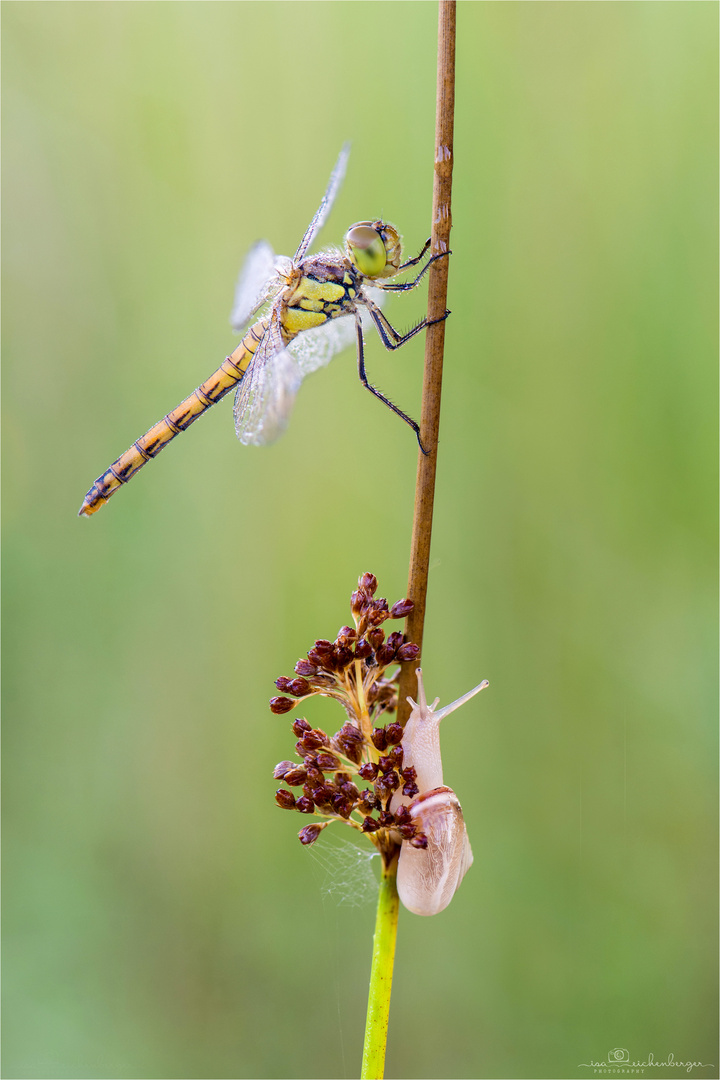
{"x": 366, "y": 249}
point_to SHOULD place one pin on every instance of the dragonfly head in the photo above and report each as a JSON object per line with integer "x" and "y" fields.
{"x": 375, "y": 248}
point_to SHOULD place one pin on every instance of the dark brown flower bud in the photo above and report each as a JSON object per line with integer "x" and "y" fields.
{"x": 386, "y": 764}
{"x": 282, "y": 768}
{"x": 402, "y": 814}
{"x": 314, "y": 739}
{"x": 341, "y": 777}
{"x": 343, "y": 657}
{"x": 310, "y": 833}
{"x": 378, "y": 613}
{"x": 382, "y": 792}
{"x": 354, "y": 752}
{"x": 314, "y": 777}
{"x": 410, "y": 789}
{"x": 342, "y": 806}
{"x": 386, "y": 784}
{"x": 280, "y": 705}
{"x": 358, "y": 600}
{"x": 298, "y": 687}
{"x": 395, "y": 755}
{"x": 323, "y": 795}
{"x": 296, "y": 777}
{"x": 394, "y": 734}
{"x": 368, "y": 801}
{"x": 419, "y": 841}
{"x": 363, "y": 649}
{"x": 408, "y": 651}
{"x": 300, "y": 726}
{"x": 368, "y": 582}
{"x": 406, "y": 831}
{"x": 376, "y": 637}
{"x": 385, "y": 655}
{"x": 385, "y": 819}
{"x": 304, "y": 667}
{"x": 368, "y": 771}
{"x": 282, "y": 684}
{"x": 305, "y": 805}
{"x": 326, "y": 762}
{"x": 401, "y": 608}
{"x": 370, "y": 825}
{"x": 285, "y": 798}
{"x": 346, "y": 635}
{"x": 350, "y": 790}
{"x": 379, "y": 738}
{"x": 321, "y": 654}
{"x": 349, "y": 741}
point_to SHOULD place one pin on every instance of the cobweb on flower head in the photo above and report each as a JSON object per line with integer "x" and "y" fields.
{"x": 348, "y": 870}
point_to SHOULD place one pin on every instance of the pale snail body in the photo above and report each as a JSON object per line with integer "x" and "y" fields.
{"x": 428, "y": 878}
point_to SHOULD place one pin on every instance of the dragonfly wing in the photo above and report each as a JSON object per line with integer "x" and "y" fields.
{"x": 254, "y": 284}
{"x": 266, "y": 395}
{"x": 336, "y": 178}
{"x": 315, "y": 348}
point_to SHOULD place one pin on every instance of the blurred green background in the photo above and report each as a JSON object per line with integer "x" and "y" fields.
{"x": 161, "y": 919}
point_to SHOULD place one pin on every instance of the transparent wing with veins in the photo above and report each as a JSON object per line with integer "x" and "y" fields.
{"x": 258, "y": 282}
{"x": 264, "y": 399}
{"x": 266, "y": 395}
{"x": 336, "y": 178}
{"x": 315, "y": 348}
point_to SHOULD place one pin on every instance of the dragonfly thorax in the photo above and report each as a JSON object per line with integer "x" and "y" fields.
{"x": 322, "y": 287}
{"x": 374, "y": 247}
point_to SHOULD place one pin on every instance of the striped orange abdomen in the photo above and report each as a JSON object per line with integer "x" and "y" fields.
{"x": 227, "y": 376}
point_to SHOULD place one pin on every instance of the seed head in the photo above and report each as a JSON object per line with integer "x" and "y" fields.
{"x": 352, "y": 775}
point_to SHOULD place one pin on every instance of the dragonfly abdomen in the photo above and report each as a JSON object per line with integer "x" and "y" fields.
{"x": 227, "y": 376}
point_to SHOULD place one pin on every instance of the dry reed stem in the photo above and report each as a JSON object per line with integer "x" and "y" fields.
{"x": 434, "y": 345}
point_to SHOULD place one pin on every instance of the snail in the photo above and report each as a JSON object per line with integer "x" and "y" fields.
{"x": 428, "y": 878}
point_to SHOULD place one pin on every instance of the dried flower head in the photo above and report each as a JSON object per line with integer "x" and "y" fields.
{"x": 351, "y": 776}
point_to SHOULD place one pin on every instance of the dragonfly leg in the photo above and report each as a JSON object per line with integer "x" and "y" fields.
{"x": 373, "y": 390}
{"x": 390, "y": 337}
{"x": 407, "y": 285}
{"x": 417, "y": 259}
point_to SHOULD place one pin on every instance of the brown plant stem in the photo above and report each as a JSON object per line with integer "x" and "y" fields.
{"x": 434, "y": 346}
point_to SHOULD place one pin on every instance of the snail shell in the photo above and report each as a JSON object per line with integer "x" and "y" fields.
{"x": 428, "y": 877}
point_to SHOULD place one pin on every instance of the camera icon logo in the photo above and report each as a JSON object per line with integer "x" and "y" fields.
{"x": 618, "y": 1056}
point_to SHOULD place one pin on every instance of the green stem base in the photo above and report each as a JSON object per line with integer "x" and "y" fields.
{"x": 383, "y": 958}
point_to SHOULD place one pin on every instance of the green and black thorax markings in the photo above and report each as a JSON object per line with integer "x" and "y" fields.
{"x": 324, "y": 287}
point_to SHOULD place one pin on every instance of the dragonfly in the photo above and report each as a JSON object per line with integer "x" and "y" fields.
{"x": 301, "y": 311}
